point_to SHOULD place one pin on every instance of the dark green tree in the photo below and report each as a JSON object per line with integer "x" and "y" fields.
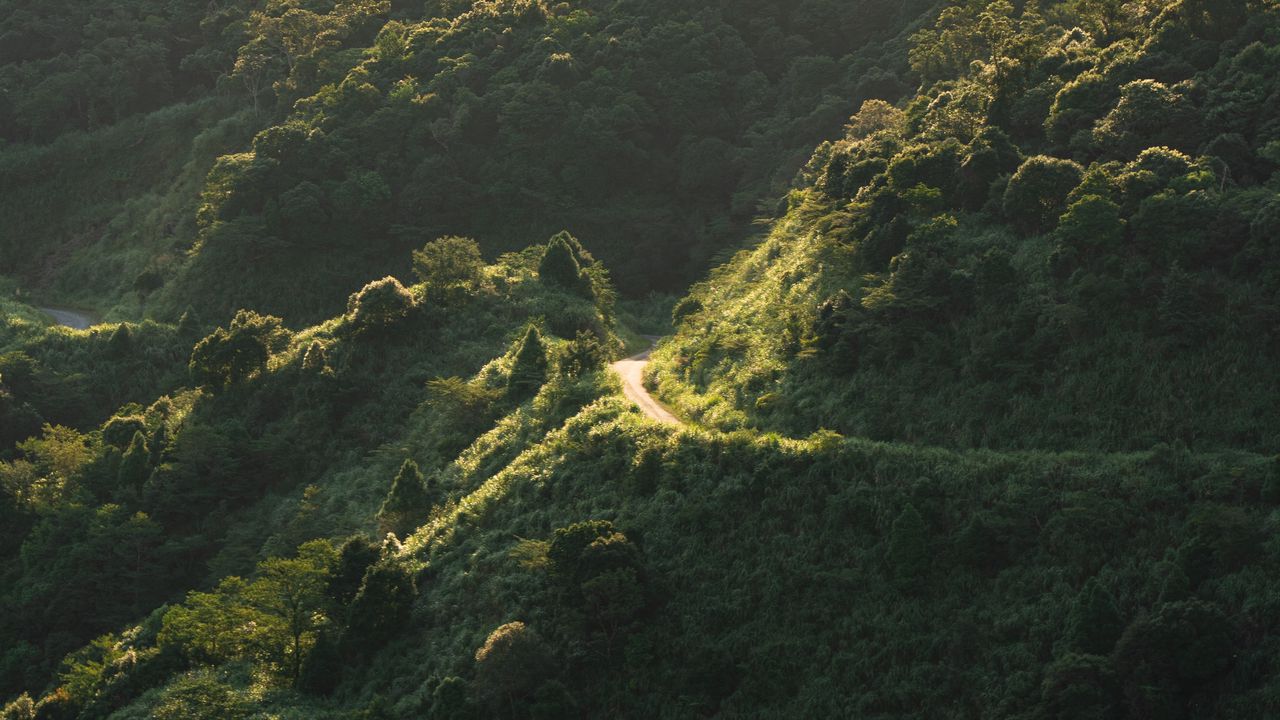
{"x": 322, "y": 668}
{"x": 1037, "y": 193}
{"x": 451, "y": 700}
{"x": 1092, "y": 223}
{"x": 529, "y": 370}
{"x": 381, "y": 609}
{"x": 121, "y": 342}
{"x": 379, "y": 304}
{"x": 510, "y": 664}
{"x": 120, "y": 429}
{"x": 1081, "y": 687}
{"x": 354, "y": 558}
{"x": 559, "y": 265}
{"x": 1165, "y": 657}
{"x": 1094, "y": 623}
{"x": 230, "y": 356}
{"x": 408, "y": 502}
{"x": 135, "y": 466}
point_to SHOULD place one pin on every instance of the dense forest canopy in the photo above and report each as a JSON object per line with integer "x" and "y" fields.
{"x": 655, "y": 130}
{"x": 977, "y": 420}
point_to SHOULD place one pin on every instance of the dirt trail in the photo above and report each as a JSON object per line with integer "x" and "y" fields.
{"x": 70, "y": 318}
{"x": 631, "y": 371}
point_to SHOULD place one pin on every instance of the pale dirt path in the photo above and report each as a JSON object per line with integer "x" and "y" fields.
{"x": 631, "y": 371}
{"x": 70, "y": 318}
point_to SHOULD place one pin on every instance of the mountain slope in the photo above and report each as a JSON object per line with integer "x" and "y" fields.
{"x": 971, "y": 273}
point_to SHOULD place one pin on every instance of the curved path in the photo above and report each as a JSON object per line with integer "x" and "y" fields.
{"x": 631, "y": 371}
{"x": 70, "y": 318}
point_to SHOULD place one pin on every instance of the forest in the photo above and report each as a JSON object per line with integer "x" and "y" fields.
{"x": 968, "y": 312}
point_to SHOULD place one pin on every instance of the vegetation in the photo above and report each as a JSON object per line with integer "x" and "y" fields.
{"x": 984, "y": 427}
{"x": 1058, "y": 244}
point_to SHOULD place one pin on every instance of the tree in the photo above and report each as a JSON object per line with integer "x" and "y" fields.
{"x": 289, "y": 594}
{"x": 1092, "y": 222}
{"x": 120, "y": 429}
{"x": 1164, "y": 657}
{"x": 322, "y": 670}
{"x": 379, "y": 304}
{"x": 874, "y": 116}
{"x": 408, "y": 503}
{"x": 510, "y": 663}
{"x": 583, "y": 355}
{"x": 1148, "y": 114}
{"x": 21, "y": 708}
{"x": 381, "y": 608}
{"x": 1081, "y": 687}
{"x": 354, "y": 558}
{"x": 230, "y": 356}
{"x": 135, "y": 466}
{"x": 120, "y": 343}
{"x": 559, "y": 266}
{"x": 529, "y": 369}
{"x": 1037, "y": 193}
{"x": 274, "y": 619}
{"x": 1094, "y": 623}
{"x": 908, "y": 553}
{"x": 450, "y": 264}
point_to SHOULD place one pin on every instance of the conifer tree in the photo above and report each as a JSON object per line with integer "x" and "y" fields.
{"x": 529, "y": 371}
{"x": 407, "y": 504}
{"x": 1094, "y": 623}
{"x": 559, "y": 266}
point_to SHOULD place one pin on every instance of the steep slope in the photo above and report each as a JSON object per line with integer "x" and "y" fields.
{"x": 1072, "y": 246}
{"x": 279, "y": 439}
{"x": 1060, "y": 339}
{"x": 657, "y": 130}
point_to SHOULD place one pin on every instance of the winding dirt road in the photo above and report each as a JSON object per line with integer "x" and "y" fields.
{"x": 631, "y": 371}
{"x": 70, "y": 318}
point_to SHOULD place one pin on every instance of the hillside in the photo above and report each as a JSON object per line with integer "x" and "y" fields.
{"x": 981, "y": 426}
{"x": 359, "y": 129}
{"x": 1068, "y": 246}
